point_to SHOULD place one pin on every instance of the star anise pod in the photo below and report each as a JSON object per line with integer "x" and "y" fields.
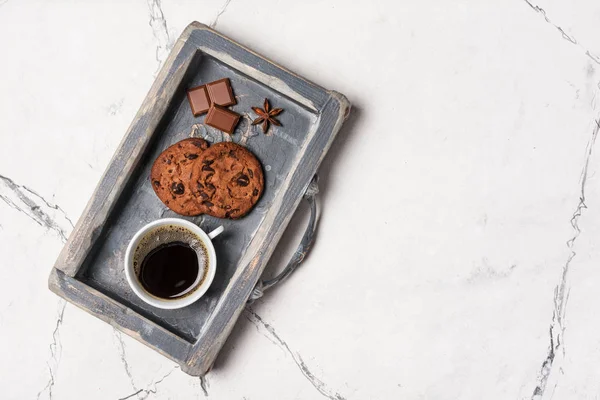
{"x": 266, "y": 116}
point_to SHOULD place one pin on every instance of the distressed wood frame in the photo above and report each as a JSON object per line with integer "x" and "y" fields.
{"x": 196, "y": 358}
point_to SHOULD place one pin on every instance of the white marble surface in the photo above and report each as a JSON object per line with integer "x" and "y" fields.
{"x": 457, "y": 256}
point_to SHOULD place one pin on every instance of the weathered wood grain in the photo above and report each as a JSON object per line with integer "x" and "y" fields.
{"x": 88, "y": 271}
{"x": 126, "y": 158}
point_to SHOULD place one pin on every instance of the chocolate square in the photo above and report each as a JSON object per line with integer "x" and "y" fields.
{"x": 220, "y": 92}
{"x": 222, "y": 119}
{"x": 199, "y": 100}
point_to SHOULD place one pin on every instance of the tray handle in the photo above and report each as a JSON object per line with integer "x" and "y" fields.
{"x": 303, "y": 248}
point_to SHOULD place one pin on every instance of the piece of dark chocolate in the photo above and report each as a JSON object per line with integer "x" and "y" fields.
{"x": 199, "y": 100}
{"x": 222, "y": 119}
{"x": 220, "y": 92}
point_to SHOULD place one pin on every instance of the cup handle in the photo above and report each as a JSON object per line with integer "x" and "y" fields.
{"x": 216, "y": 232}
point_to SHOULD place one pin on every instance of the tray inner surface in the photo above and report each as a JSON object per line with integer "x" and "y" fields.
{"x": 138, "y": 205}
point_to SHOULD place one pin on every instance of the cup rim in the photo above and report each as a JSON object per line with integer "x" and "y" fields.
{"x": 170, "y": 304}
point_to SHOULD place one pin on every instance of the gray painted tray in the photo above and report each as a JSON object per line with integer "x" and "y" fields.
{"x": 89, "y": 270}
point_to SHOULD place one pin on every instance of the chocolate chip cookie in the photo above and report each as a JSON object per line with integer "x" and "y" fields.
{"x": 228, "y": 180}
{"x": 171, "y": 176}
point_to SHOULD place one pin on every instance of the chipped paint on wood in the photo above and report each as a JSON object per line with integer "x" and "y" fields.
{"x": 88, "y": 272}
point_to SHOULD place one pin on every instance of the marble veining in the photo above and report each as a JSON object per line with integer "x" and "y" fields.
{"x": 274, "y": 338}
{"x": 561, "y": 291}
{"x": 37, "y": 208}
{"x": 480, "y": 266}
{"x": 564, "y": 35}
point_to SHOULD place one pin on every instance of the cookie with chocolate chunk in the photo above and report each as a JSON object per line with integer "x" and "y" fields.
{"x": 228, "y": 180}
{"x": 171, "y": 176}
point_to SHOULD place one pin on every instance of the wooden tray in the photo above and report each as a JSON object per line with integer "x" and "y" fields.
{"x": 89, "y": 271}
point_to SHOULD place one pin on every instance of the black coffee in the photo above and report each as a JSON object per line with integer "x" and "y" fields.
{"x": 169, "y": 269}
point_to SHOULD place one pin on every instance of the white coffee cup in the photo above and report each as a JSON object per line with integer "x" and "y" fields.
{"x": 205, "y": 275}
